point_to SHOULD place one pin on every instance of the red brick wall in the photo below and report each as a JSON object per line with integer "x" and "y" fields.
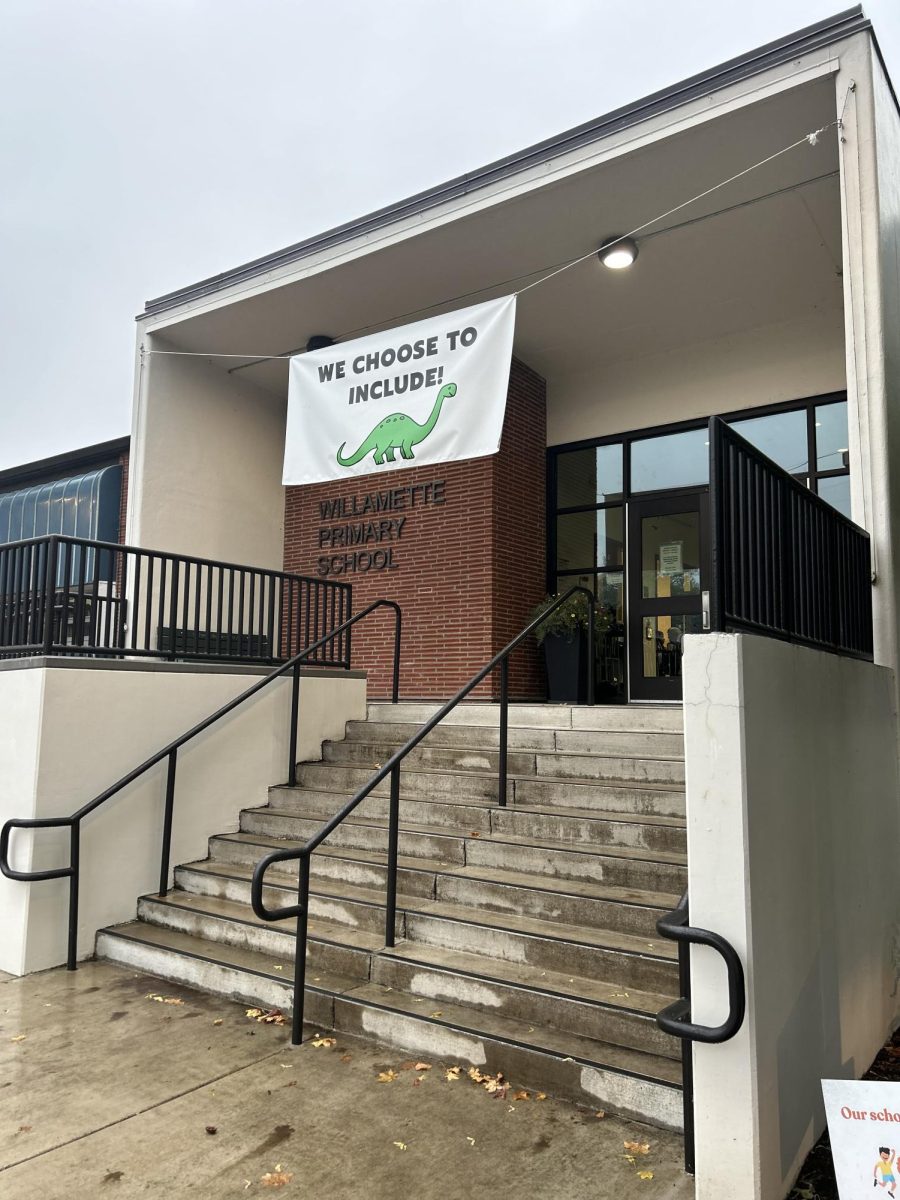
{"x": 467, "y": 571}
{"x": 123, "y": 502}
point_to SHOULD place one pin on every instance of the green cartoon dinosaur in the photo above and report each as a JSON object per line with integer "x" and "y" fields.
{"x": 397, "y": 432}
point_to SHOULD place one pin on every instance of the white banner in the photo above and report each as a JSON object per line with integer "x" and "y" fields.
{"x": 431, "y": 392}
{"x": 864, "y": 1131}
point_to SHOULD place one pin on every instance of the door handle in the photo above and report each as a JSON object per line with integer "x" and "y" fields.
{"x": 704, "y": 600}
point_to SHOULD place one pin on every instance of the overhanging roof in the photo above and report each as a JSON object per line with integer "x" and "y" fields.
{"x": 823, "y": 33}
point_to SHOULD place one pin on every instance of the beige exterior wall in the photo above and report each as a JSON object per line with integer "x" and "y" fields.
{"x": 792, "y": 786}
{"x": 767, "y": 365}
{"x": 207, "y": 454}
{"x": 71, "y": 731}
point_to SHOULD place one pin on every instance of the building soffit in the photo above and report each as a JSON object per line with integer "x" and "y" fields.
{"x": 781, "y": 65}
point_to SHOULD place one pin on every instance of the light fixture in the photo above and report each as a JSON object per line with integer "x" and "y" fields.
{"x": 618, "y": 252}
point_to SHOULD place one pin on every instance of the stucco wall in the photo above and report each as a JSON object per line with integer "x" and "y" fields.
{"x": 71, "y": 731}
{"x": 770, "y": 364}
{"x": 793, "y": 823}
{"x": 206, "y": 457}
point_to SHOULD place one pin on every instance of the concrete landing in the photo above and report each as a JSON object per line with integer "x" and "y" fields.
{"x": 110, "y": 1092}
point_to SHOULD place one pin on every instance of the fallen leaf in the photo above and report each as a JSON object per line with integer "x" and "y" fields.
{"x": 324, "y": 1041}
{"x": 645, "y": 1174}
{"x": 218, "y": 1021}
{"x": 520, "y": 1096}
{"x": 269, "y": 1016}
{"x": 276, "y": 967}
{"x": 436, "y": 1013}
{"x": 600, "y": 1115}
{"x": 422, "y": 1067}
{"x": 24, "y": 1129}
{"x": 630, "y": 1158}
{"x": 470, "y": 1140}
{"x": 541, "y": 1096}
{"x": 276, "y": 1179}
{"x": 345, "y": 1058}
{"x": 400, "y": 1145}
{"x": 452, "y": 1073}
{"x": 164, "y": 999}
{"x": 475, "y": 1075}
{"x": 20, "y": 1037}
{"x": 474, "y": 833}
{"x": 387, "y": 1076}
{"x": 286, "y": 1066}
{"x": 212, "y": 1129}
{"x": 637, "y": 1147}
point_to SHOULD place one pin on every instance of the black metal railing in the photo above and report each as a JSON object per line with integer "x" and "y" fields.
{"x": 675, "y": 1018}
{"x": 391, "y": 768}
{"x": 785, "y": 563}
{"x": 67, "y": 595}
{"x": 169, "y": 752}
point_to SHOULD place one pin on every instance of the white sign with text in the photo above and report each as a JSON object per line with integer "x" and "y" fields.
{"x": 864, "y": 1131}
{"x": 431, "y": 392}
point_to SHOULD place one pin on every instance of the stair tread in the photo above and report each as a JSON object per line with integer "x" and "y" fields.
{"x": 596, "y": 849}
{"x": 318, "y": 929}
{"x": 378, "y": 750}
{"x": 576, "y": 780}
{"x": 545, "y": 883}
{"x": 512, "y": 922}
{"x": 541, "y": 1038}
{"x": 575, "y": 987}
{"x": 341, "y": 796}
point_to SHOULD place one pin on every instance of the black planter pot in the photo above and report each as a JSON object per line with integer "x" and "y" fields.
{"x": 566, "y": 660}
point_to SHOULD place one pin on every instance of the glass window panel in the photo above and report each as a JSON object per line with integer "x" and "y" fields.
{"x": 673, "y": 460}
{"x": 836, "y": 491}
{"x": 781, "y": 437}
{"x": 832, "y": 439}
{"x": 609, "y": 589}
{"x": 662, "y": 643}
{"x": 670, "y": 555}
{"x": 590, "y": 476}
{"x": 590, "y": 539}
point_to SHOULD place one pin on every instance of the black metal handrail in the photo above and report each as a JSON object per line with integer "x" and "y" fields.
{"x": 69, "y": 595}
{"x": 785, "y": 563}
{"x": 170, "y": 752}
{"x": 675, "y": 1018}
{"x": 302, "y": 854}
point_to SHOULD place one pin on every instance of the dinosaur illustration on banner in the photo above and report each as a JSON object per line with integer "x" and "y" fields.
{"x": 396, "y": 432}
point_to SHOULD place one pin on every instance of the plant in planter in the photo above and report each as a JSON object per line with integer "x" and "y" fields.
{"x": 563, "y": 636}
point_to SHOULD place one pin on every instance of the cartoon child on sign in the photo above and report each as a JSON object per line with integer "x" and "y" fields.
{"x": 885, "y": 1166}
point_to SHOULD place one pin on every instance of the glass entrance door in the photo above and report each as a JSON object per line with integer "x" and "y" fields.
{"x": 667, "y": 572}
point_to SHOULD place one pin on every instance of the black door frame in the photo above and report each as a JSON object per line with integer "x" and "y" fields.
{"x": 659, "y": 688}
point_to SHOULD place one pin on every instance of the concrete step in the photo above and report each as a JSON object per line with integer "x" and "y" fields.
{"x": 620, "y": 866}
{"x": 620, "y": 1079}
{"x": 654, "y": 800}
{"x": 588, "y": 1007}
{"x": 558, "y": 773}
{"x": 547, "y": 824}
{"x": 656, "y": 718}
{"x": 502, "y": 891}
{"x": 544, "y": 944}
{"x": 637, "y": 742}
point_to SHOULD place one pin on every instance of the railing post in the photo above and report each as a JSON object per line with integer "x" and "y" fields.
{"x": 295, "y": 714}
{"x": 173, "y": 607}
{"x": 390, "y": 920}
{"x": 504, "y": 730}
{"x": 398, "y": 633}
{"x": 75, "y": 868}
{"x": 300, "y": 951}
{"x": 167, "y": 824}
{"x": 49, "y": 592}
{"x": 592, "y": 651}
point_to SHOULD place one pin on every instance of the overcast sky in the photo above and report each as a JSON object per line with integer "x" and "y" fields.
{"x": 146, "y": 145}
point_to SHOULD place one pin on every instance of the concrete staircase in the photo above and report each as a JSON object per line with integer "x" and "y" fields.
{"x": 528, "y": 933}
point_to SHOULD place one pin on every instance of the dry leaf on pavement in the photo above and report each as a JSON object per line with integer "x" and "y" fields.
{"x": 400, "y": 1145}
{"x": 387, "y": 1076}
{"x": 452, "y": 1073}
{"x": 321, "y": 1040}
{"x": 637, "y": 1147}
{"x": 276, "y": 1178}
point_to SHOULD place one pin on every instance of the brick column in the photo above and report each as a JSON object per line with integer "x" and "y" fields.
{"x": 460, "y": 546}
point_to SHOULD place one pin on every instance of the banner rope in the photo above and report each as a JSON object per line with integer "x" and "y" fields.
{"x": 809, "y": 139}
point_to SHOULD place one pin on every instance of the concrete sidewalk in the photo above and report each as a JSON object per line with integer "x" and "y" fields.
{"x": 108, "y": 1091}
